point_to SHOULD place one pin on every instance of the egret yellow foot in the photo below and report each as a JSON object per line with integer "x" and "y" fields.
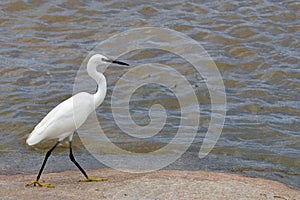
{"x": 36, "y": 182}
{"x": 90, "y": 179}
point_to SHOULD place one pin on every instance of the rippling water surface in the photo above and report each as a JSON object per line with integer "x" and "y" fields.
{"x": 255, "y": 45}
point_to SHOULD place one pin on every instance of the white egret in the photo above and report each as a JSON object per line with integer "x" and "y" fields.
{"x": 65, "y": 118}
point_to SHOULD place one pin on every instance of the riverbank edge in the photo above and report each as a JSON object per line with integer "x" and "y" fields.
{"x": 162, "y": 184}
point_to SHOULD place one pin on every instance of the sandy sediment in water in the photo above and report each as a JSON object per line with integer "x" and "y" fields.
{"x": 164, "y": 184}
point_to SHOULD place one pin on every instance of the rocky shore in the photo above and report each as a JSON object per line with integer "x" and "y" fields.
{"x": 164, "y": 184}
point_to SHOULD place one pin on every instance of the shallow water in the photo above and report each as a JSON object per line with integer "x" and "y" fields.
{"x": 255, "y": 46}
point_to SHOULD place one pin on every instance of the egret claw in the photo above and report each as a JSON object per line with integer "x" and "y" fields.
{"x": 90, "y": 179}
{"x": 36, "y": 182}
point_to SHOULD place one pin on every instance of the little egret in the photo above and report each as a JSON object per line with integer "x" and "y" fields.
{"x": 65, "y": 118}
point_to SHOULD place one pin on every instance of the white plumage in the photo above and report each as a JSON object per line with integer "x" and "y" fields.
{"x": 69, "y": 115}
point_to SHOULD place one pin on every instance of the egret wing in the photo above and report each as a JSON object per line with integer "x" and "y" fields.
{"x": 64, "y": 118}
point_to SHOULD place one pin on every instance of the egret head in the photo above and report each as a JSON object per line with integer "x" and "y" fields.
{"x": 99, "y": 59}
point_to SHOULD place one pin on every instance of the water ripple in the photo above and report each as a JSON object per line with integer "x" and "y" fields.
{"x": 255, "y": 45}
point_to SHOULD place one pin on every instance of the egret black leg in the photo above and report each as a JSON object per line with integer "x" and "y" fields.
{"x": 75, "y": 162}
{"x": 36, "y": 181}
{"x": 45, "y": 160}
{"x": 88, "y": 179}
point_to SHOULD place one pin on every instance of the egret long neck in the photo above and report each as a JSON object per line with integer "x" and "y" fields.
{"x": 101, "y": 82}
{"x": 101, "y": 90}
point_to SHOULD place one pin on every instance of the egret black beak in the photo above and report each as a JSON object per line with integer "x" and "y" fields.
{"x": 116, "y": 62}
{"x": 119, "y": 62}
